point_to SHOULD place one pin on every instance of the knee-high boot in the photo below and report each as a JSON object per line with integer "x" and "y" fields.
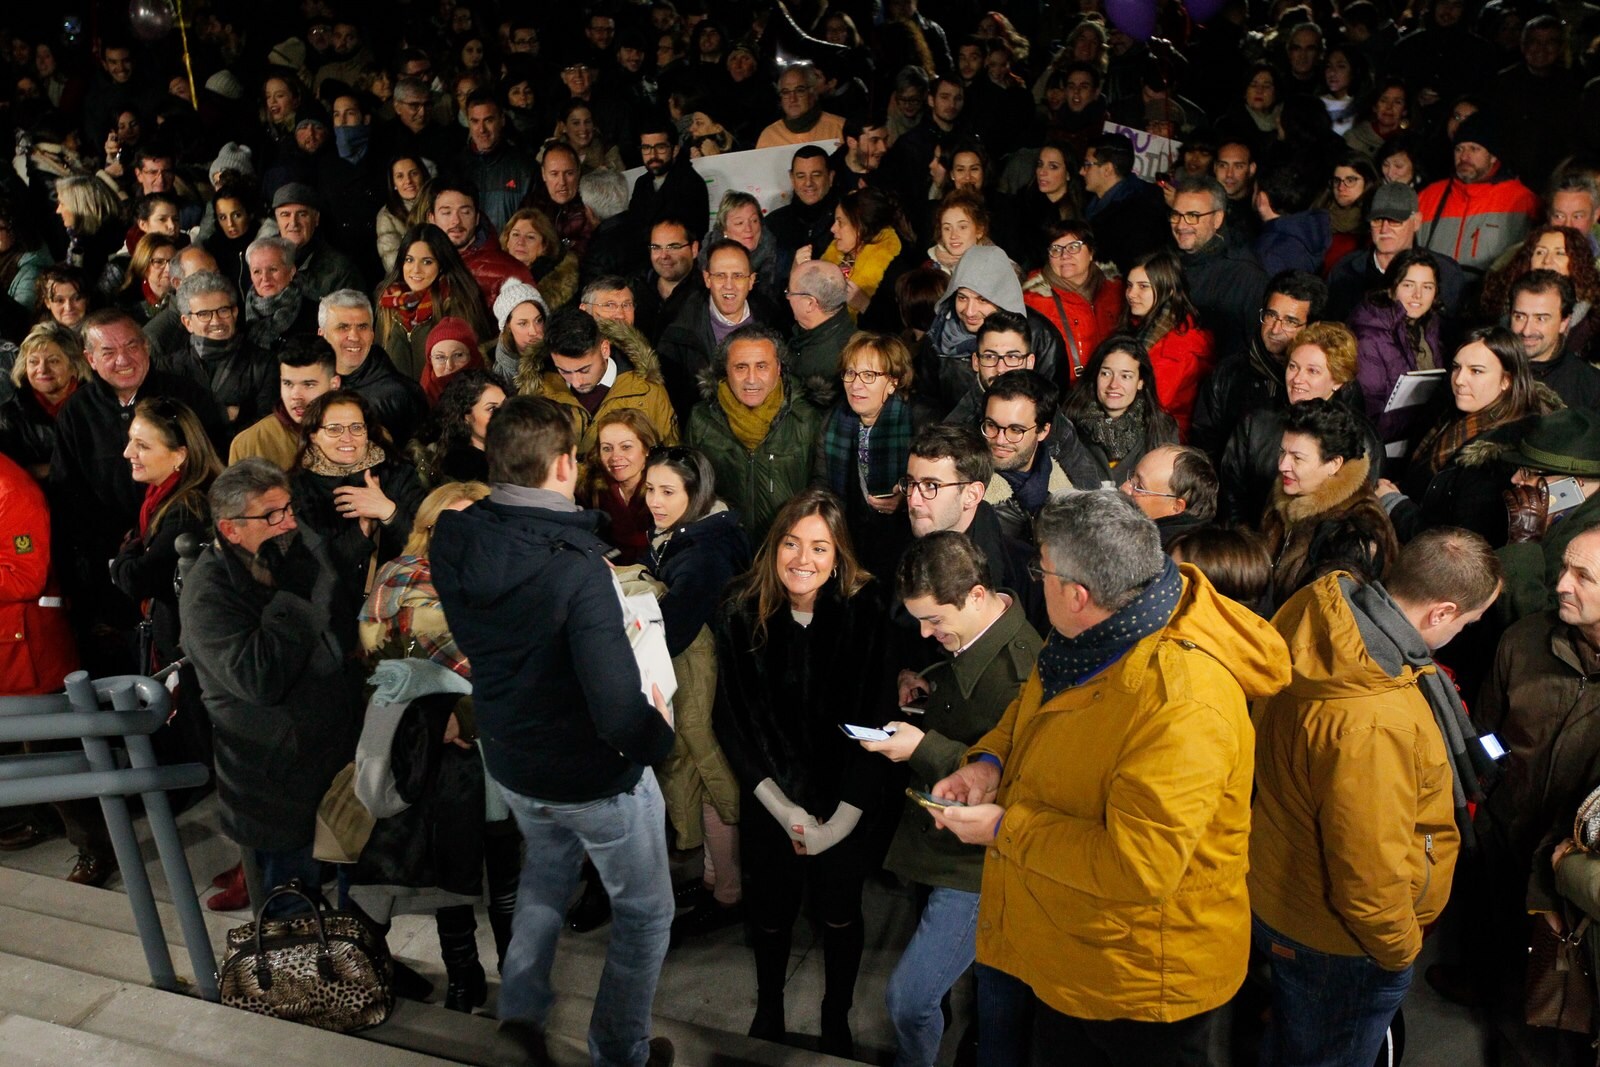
{"x": 841, "y": 963}
{"x": 458, "y": 945}
{"x": 772, "y": 970}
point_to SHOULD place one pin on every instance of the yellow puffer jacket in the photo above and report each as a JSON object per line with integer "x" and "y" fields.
{"x": 641, "y": 387}
{"x": 1354, "y": 841}
{"x": 1116, "y": 885}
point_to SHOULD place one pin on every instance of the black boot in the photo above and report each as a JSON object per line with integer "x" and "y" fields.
{"x": 772, "y": 970}
{"x": 502, "y": 853}
{"x": 841, "y": 963}
{"x": 466, "y": 987}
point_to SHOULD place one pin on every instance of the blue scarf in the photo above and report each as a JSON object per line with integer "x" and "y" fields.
{"x": 1032, "y": 488}
{"x": 1068, "y": 661}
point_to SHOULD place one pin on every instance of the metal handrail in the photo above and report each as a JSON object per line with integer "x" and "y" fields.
{"x": 138, "y": 707}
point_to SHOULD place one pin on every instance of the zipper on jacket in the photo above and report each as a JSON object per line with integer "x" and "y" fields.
{"x": 1427, "y": 870}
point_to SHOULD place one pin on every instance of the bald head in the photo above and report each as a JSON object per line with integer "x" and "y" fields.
{"x": 816, "y": 292}
{"x": 191, "y": 260}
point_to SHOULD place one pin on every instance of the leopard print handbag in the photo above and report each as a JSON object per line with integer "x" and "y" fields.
{"x": 327, "y": 969}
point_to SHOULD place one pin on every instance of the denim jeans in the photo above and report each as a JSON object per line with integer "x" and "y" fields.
{"x": 1327, "y": 1010}
{"x": 1005, "y": 1018}
{"x": 625, "y": 837}
{"x": 944, "y": 946}
{"x": 274, "y": 869}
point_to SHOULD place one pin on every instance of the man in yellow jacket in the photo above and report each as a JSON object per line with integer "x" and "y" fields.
{"x": 1363, "y": 768}
{"x": 1114, "y": 798}
{"x": 599, "y": 365}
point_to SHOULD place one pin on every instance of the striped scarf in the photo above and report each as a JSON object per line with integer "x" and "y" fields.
{"x": 886, "y": 454}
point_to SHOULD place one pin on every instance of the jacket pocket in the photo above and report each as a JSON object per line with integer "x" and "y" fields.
{"x": 1076, "y": 915}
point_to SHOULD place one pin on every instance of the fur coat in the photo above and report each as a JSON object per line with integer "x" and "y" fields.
{"x": 1340, "y": 526}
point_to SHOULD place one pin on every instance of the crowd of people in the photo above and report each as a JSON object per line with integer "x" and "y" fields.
{"x": 1138, "y": 488}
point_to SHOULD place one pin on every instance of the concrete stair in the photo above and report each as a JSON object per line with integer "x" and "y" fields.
{"x": 74, "y": 987}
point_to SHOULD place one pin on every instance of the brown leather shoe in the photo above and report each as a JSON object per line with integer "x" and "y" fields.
{"x": 21, "y": 836}
{"x": 92, "y": 870}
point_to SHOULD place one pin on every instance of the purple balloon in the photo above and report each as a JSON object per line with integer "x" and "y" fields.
{"x": 1203, "y": 11}
{"x": 1136, "y": 18}
{"x": 150, "y": 20}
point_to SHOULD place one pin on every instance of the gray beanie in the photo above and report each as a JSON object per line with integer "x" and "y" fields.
{"x": 235, "y": 157}
{"x": 515, "y": 292}
{"x": 226, "y": 85}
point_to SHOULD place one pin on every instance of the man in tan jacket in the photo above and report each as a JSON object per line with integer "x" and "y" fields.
{"x": 1359, "y": 778}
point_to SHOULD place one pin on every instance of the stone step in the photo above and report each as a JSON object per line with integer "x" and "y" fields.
{"x": 27, "y": 1042}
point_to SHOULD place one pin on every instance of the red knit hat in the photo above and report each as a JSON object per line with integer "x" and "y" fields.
{"x": 452, "y": 328}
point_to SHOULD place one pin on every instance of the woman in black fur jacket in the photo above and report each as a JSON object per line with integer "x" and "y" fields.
{"x": 801, "y": 648}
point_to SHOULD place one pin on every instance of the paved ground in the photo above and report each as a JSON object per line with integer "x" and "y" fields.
{"x": 711, "y": 983}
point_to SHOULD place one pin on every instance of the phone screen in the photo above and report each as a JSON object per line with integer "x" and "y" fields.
{"x": 865, "y": 733}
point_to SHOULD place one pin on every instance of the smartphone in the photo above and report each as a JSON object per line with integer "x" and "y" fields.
{"x": 1492, "y": 746}
{"x": 1565, "y": 494}
{"x": 931, "y": 802}
{"x": 918, "y": 706}
{"x": 865, "y": 733}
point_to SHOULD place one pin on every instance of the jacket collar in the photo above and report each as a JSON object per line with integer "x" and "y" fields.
{"x": 1346, "y": 482}
{"x": 968, "y": 668}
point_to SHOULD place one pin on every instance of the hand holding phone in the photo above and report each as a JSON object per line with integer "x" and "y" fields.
{"x": 931, "y": 802}
{"x": 865, "y": 733}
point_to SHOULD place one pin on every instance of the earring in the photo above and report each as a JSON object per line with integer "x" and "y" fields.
{"x": 835, "y": 573}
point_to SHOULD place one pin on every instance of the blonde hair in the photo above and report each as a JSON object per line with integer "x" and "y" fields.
{"x": 541, "y": 226}
{"x": 1334, "y": 341}
{"x": 432, "y": 506}
{"x": 91, "y": 202}
{"x": 42, "y": 336}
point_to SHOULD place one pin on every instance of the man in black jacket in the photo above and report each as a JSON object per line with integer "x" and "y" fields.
{"x": 1128, "y": 213}
{"x": 1541, "y": 306}
{"x": 271, "y": 636}
{"x": 670, "y": 187}
{"x": 93, "y": 497}
{"x": 344, "y": 318}
{"x": 566, "y": 730}
{"x": 1225, "y": 279}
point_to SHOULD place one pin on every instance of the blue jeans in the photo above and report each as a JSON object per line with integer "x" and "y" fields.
{"x": 625, "y": 837}
{"x": 1327, "y": 1010}
{"x": 1005, "y": 1018}
{"x": 944, "y": 946}
{"x": 282, "y": 867}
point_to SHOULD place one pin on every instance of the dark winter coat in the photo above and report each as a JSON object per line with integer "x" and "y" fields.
{"x": 1576, "y": 382}
{"x": 1340, "y": 526}
{"x": 282, "y": 689}
{"x": 1297, "y": 241}
{"x": 27, "y": 432}
{"x": 696, "y": 565}
{"x": 532, "y": 604}
{"x": 1226, "y": 284}
{"x": 1466, "y": 492}
{"x": 245, "y": 378}
{"x": 1237, "y": 386}
{"x": 146, "y": 569}
{"x": 781, "y": 697}
{"x": 397, "y": 401}
{"x": 688, "y": 348}
{"x": 352, "y": 551}
{"x": 1250, "y": 461}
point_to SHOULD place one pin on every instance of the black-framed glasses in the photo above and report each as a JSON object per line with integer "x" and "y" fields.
{"x": 1191, "y": 217}
{"x": 209, "y": 315}
{"x": 1012, "y": 360}
{"x": 791, "y": 293}
{"x": 676, "y": 246}
{"x": 1068, "y": 248}
{"x": 1013, "y": 433}
{"x": 1270, "y": 317}
{"x": 927, "y": 488}
{"x": 1346, "y": 182}
{"x": 274, "y": 517}
{"x": 868, "y": 377}
{"x": 652, "y": 149}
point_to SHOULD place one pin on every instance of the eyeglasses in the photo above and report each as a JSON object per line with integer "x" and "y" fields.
{"x": 274, "y": 517}
{"x": 989, "y": 358}
{"x": 1272, "y": 318}
{"x": 676, "y": 246}
{"x": 577, "y": 68}
{"x": 1191, "y": 217}
{"x": 615, "y": 305}
{"x": 791, "y": 294}
{"x": 1345, "y": 183}
{"x": 992, "y": 430}
{"x": 722, "y": 276}
{"x": 1062, "y": 251}
{"x": 1138, "y": 490}
{"x": 227, "y": 311}
{"x": 927, "y": 488}
{"x": 792, "y": 93}
{"x": 334, "y": 429}
{"x": 867, "y": 377}
{"x": 1037, "y": 573}
{"x": 655, "y": 149}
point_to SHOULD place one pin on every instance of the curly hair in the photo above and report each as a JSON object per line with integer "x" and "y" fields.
{"x": 1580, "y": 269}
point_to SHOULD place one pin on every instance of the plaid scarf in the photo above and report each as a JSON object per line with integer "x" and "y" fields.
{"x": 404, "y": 587}
{"x": 1442, "y": 442}
{"x": 409, "y": 305}
{"x": 887, "y": 451}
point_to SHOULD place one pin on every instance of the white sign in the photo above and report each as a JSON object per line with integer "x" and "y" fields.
{"x": 1153, "y": 156}
{"x": 761, "y": 172}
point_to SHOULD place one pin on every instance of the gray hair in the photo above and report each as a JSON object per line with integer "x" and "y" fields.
{"x": 1202, "y": 183}
{"x": 1576, "y": 182}
{"x": 812, "y": 75}
{"x": 606, "y": 283}
{"x": 824, "y": 281}
{"x": 605, "y": 192}
{"x": 232, "y": 491}
{"x": 199, "y": 284}
{"x": 1103, "y": 542}
{"x": 412, "y": 88}
{"x": 352, "y": 299}
{"x": 279, "y": 245}
{"x": 754, "y": 331}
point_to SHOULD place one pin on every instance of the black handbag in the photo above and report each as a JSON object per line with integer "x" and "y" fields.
{"x": 325, "y": 968}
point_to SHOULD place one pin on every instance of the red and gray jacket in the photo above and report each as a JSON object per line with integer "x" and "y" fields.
{"x": 1473, "y": 224}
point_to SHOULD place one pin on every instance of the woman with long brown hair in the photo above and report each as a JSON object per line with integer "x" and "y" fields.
{"x": 801, "y": 649}
{"x": 1160, "y": 313}
{"x": 614, "y": 479}
{"x": 427, "y": 284}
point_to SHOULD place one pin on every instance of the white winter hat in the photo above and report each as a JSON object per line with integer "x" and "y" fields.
{"x": 515, "y": 292}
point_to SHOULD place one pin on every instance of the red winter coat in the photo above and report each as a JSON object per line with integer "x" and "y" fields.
{"x": 36, "y": 646}
{"x": 1085, "y": 326}
{"x": 1180, "y": 360}
{"x": 490, "y": 267}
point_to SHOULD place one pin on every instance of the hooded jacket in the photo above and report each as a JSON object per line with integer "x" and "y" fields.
{"x": 1127, "y": 797}
{"x": 555, "y": 686}
{"x": 638, "y": 385}
{"x": 1474, "y": 223}
{"x": 1354, "y": 840}
{"x": 944, "y": 362}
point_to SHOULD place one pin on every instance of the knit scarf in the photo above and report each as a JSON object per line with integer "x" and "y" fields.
{"x": 317, "y": 463}
{"x": 1068, "y": 661}
{"x": 1442, "y": 442}
{"x": 410, "y": 306}
{"x": 402, "y": 588}
{"x": 805, "y": 122}
{"x": 1116, "y": 437}
{"x": 749, "y": 425}
{"x": 154, "y": 497}
{"x": 950, "y": 337}
{"x": 1031, "y": 487}
{"x": 266, "y": 318}
{"x": 887, "y": 452}
{"x": 1392, "y": 641}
